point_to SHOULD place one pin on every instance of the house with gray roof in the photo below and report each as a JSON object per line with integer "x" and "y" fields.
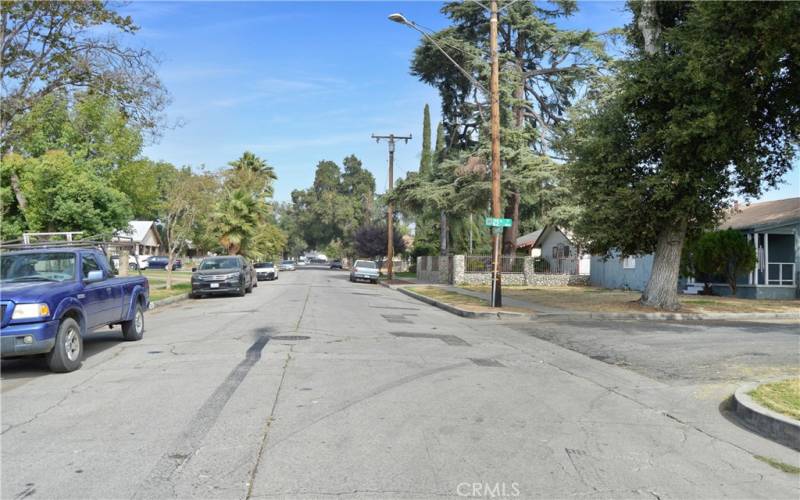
{"x": 144, "y": 235}
{"x": 555, "y": 250}
{"x": 772, "y": 227}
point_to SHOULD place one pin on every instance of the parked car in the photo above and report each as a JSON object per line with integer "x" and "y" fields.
{"x": 52, "y": 298}
{"x": 226, "y": 274}
{"x": 161, "y": 262}
{"x": 135, "y": 262}
{"x": 336, "y": 264}
{"x": 364, "y": 270}
{"x": 287, "y": 265}
{"x": 266, "y": 271}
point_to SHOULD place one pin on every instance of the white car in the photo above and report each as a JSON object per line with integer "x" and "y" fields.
{"x": 135, "y": 262}
{"x": 364, "y": 270}
{"x": 286, "y": 265}
{"x": 266, "y": 271}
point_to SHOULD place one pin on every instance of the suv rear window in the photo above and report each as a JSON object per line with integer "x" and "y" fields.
{"x": 224, "y": 263}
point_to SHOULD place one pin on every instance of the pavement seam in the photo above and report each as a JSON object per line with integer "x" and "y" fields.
{"x": 268, "y": 426}
{"x": 161, "y": 476}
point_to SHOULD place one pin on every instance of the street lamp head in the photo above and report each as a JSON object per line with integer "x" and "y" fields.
{"x": 398, "y": 18}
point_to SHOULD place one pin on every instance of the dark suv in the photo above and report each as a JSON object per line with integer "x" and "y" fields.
{"x": 161, "y": 262}
{"x": 336, "y": 264}
{"x": 224, "y": 274}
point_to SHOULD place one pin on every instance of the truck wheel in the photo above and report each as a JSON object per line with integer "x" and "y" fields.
{"x": 242, "y": 290}
{"x": 67, "y": 354}
{"x": 134, "y": 329}
{"x": 249, "y": 289}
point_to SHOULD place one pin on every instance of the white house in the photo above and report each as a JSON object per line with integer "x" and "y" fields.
{"x": 559, "y": 253}
{"x": 145, "y": 237}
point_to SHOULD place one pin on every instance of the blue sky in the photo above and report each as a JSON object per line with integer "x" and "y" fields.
{"x": 299, "y": 82}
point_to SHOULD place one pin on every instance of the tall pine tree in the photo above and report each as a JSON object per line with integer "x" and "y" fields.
{"x": 426, "y": 159}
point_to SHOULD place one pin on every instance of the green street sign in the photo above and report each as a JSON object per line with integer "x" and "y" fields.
{"x": 493, "y": 222}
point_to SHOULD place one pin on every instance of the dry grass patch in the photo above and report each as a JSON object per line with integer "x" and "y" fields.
{"x": 586, "y": 298}
{"x": 782, "y": 397}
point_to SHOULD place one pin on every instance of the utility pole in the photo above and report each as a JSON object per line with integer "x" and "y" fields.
{"x": 494, "y": 95}
{"x": 390, "y": 209}
{"x": 494, "y": 91}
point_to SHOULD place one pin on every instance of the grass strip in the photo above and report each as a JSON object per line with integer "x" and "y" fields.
{"x": 789, "y": 469}
{"x": 782, "y": 397}
{"x": 163, "y": 293}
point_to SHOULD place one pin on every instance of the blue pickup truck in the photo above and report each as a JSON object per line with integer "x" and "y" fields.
{"x": 52, "y": 297}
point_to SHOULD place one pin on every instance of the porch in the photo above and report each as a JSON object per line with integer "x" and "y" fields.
{"x": 777, "y": 266}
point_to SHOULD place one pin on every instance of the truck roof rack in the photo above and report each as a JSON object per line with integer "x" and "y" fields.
{"x": 99, "y": 242}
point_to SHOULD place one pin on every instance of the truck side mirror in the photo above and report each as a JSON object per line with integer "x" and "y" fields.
{"x": 94, "y": 276}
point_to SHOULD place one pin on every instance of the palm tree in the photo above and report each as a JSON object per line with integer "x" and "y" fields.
{"x": 236, "y": 219}
{"x": 249, "y": 169}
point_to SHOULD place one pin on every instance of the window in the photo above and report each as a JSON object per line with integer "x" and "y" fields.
{"x": 629, "y": 262}
{"x": 89, "y": 264}
{"x": 220, "y": 263}
{"x": 45, "y": 266}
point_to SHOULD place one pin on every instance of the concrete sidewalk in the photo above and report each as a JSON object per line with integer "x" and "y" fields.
{"x": 538, "y": 310}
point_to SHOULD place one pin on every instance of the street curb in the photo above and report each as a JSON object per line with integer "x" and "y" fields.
{"x": 768, "y": 423}
{"x": 455, "y": 310}
{"x": 168, "y": 301}
{"x": 667, "y": 316}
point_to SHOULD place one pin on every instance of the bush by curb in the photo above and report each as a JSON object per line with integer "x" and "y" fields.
{"x": 768, "y": 423}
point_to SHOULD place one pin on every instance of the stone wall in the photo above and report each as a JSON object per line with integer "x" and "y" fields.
{"x": 451, "y": 271}
{"x": 434, "y": 269}
{"x": 478, "y": 279}
{"x": 557, "y": 280}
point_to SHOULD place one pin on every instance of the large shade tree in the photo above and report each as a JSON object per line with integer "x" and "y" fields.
{"x": 48, "y": 48}
{"x": 706, "y": 106}
{"x": 543, "y": 67}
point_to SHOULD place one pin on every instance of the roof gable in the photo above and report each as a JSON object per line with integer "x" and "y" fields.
{"x": 763, "y": 214}
{"x": 138, "y": 229}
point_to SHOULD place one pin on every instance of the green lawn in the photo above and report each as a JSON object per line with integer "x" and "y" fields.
{"x": 406, "y": 274}
{"x": 162, "y": 293}
{"x": 782, "y": 397}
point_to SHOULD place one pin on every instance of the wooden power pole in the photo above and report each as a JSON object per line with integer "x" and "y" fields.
{"x": 391, "y": 138}
{"x": 494, "y": 91}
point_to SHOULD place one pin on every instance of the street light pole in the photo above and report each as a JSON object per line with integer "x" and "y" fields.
{"x": 390, "y": 208}
{"x": 494, "y": 96}
{"x": 494, "y": 90}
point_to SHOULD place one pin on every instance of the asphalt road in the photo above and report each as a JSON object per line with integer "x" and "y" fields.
{"x": 314, "y": 387}
{"x": 682, "y": 352}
